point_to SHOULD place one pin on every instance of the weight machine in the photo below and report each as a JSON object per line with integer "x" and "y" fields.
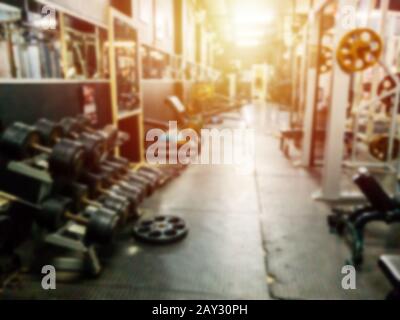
{"x": 334, "y": 148}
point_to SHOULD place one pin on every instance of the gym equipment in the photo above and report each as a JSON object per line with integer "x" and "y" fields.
{"x": 20, "y": 141}
{"x": 325, "y": 60}
{"x": 390, "y": 265}
{"x": 386, "y": 85}
{"x": 49, "y": 131}
{"x": 352, "y": 225}
{"x": 379, "y": 147}
{"x": 117, "y": 172}
{"x": 160, "y": 230}
{"x": 95, "y": 148}
{"x": 358, "y": 50}
{"x": 79, "y": 195}
{"x": 54, "y": 212}
{"x": 100, "y": 223}
{"x": 203, "y": 91}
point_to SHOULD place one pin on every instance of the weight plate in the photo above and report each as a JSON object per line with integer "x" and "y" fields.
{"x": 94, "y": 150}
{"x": 49, "y": 131}
{"x": 378, "y": 148}
{"x": 325, "y": 60}
{"x": 67, "y": 159}
{"x": 161, "y": 230}
{"x": 358, "y": 50}
{"x": 70, "y": 126}
{"x": 102, "y": 225}
{"x": 386, "y": 85}
{"x": 52, "y": 213}
{"x": 17, "y": 140}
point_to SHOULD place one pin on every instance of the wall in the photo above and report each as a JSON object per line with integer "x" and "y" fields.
{"x": 91, "y": 9}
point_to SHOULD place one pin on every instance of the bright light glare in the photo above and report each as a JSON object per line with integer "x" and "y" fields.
{"x": 248, "y": 43}
{"x": 253, "y": 17}
{"x": 250, "y": 33}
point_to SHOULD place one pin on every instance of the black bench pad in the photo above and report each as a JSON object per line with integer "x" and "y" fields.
{"x": 390, "y": 265}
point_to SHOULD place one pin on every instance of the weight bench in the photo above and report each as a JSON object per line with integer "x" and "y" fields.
{"x": 381, "y": 208}
{"x": 390, "y": 266}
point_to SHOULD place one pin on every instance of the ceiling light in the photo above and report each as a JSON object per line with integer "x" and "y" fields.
{"x": 248, "y": 43}
{"x": 250, "y": 33}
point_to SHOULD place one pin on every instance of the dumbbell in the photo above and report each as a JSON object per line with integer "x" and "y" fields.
{"x": 120, "y": 186}
{"x": 93, "y": 146}
{"x": 100, "y": 186}
{"x": 74, "y": 127}
{"x": 20, "y": 141}
{"x": 52, "y": 132}
{"x": 111, "y": 135}
{"x": 54, "y": 212}
{"x": 94, "y": 150}
{"x": 101, "y": 223}
{"x": 162, "y": 174}
{"x": 79, "y": 194}
{"x": 120, "y": 173}
{"x": 146, "y": 179}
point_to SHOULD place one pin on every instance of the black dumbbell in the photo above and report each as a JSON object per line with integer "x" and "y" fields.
{"x": 52, "y": 132}
{"x": 99, "y": 185}
{"x": 80, "y": 195}
{"x": 21, "y": 141}
{"x": 142, "y": 181}
{"x": 121, "y": 186}
{"x": 49, "y": 131}
{"x": 110, "y": 135}
{"x": 101, "y": 223}
{"x": 122, "y": 175}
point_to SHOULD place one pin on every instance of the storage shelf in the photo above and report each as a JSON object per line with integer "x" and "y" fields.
{"x": 160, "y": 80}
{"x": 128, "y": 114}
{"x": 52, "y": 81}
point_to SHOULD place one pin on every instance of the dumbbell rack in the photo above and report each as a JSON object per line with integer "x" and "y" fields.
{"x": 71, "y": 235}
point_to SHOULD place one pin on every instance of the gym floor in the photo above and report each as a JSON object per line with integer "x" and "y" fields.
{"x": 254, "y": 234}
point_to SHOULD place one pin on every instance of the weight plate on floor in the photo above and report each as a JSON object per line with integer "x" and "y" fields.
{"x": 160, "y": 230}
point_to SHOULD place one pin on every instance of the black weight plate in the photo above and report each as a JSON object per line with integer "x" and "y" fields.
{"x": 118, "y": 167}
{"x": 94, "y": 150}
{"x": 70, "y": 126}
{"x": 52, "y": 214}
{"x": 17, "y": 140}
{"x": 136, "y": 188}
{"x": 121, "y": 207}
{"x": 102, "y": 225}
{"x": 67, "y": 159}
{"x": 160, "y": 230}
{"x": 49, "y": 131}
{"x": 133, "y": 198}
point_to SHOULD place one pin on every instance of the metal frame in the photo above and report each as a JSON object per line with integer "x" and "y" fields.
{"x": 113, "y": 15}
{"x": 333, "y": 164}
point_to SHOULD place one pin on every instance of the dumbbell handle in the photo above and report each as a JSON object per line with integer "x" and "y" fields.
{"x": 76, "y": 218}
{"x": 91, "y": 202}
{"x": 103, "y": 191}
{"x": 41, "y": 148}
{"x": 68, "y": 215}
